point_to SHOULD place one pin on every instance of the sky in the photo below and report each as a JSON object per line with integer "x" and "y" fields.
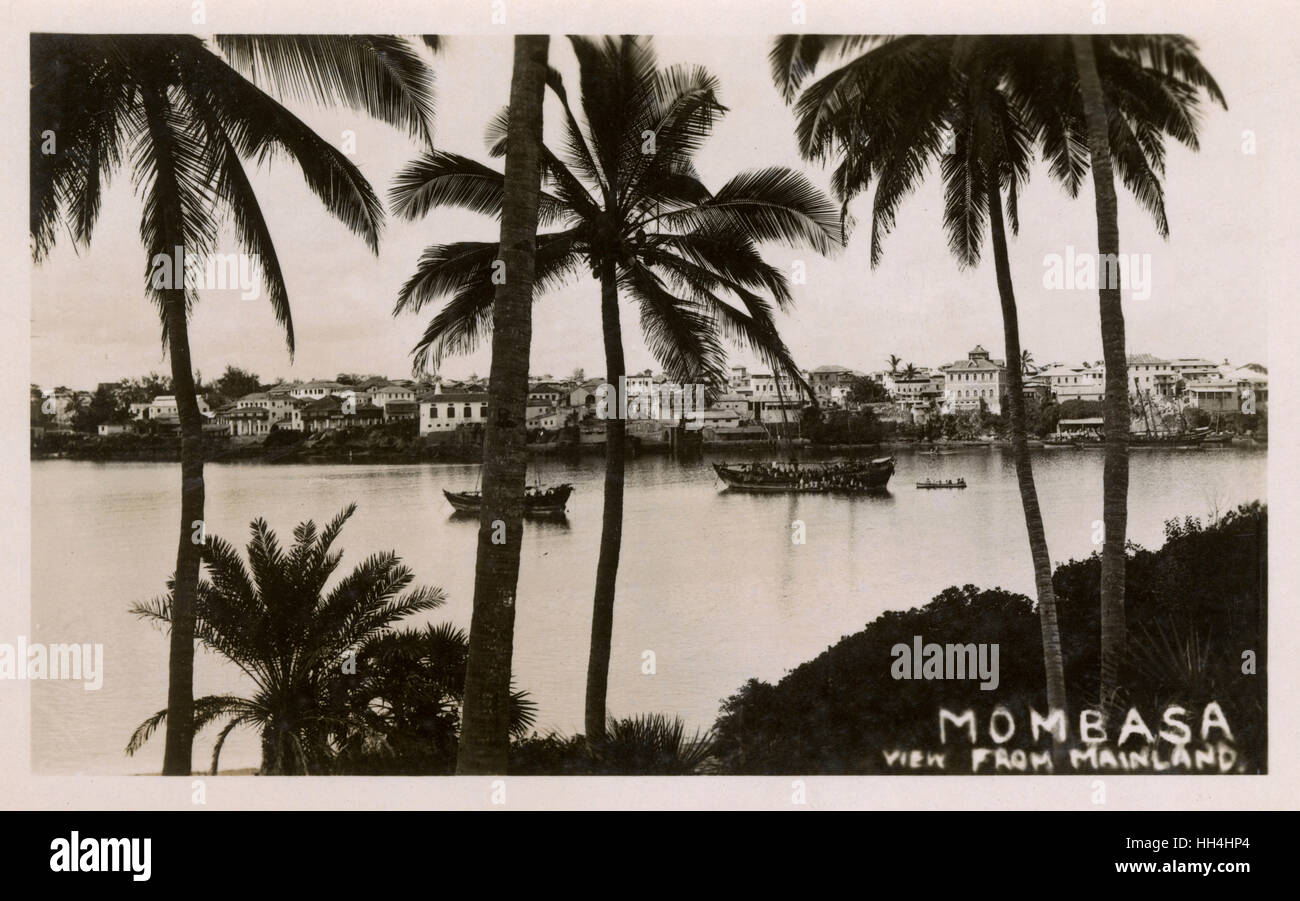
{"x": 92, "y": 322}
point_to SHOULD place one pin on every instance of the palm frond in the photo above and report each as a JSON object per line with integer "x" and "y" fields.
{"x": 773, "y": 204}
{"x": 437, "y": 179}
{"x": 379, "y": 75}
{"x": 259, "y": 127}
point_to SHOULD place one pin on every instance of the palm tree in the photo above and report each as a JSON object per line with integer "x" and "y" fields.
{"x": 909, "y": 371}
{"x": 1027, "y": 366}
{"x": 894, "y": 360}
{"x": 1152, "y": 86}
{"x": 185, "y": 119}
{"x": 652, "y": 745}
{"x": 632, "y": 211}
{"x": 922, "y": 100}
{"x": 1116, "y": 119}
{"x": 485, "y": 739}
{"x": 275, "y": 621}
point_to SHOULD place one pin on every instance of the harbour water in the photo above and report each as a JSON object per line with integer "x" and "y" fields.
{"x": 709, "y": 580}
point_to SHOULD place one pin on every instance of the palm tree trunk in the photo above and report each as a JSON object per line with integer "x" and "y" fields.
{"x": 179, "y": 743}
{"x": 611, "y": 526}
{"x": 1116, "y": 411}
{"x": 485, "y": 734}
{"x": 1053, "y": 663}
{"x": 272, "y": 752}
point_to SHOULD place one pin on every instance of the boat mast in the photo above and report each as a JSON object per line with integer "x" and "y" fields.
{"x": 785, "y": 422}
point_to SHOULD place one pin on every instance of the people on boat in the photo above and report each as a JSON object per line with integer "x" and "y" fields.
{"x": 819, "y": 477}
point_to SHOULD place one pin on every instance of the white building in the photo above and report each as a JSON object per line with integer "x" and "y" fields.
{"x": 315, "y": 390}
{"x": 164, "y": 407}
{"x": 282, "y": 410}
{"x": 974, "y": 382}
{"x": 444, "y": 411}
{"x": 1076, "y": 382}
{"x": 392, "y": 392}
{"x": 1194, "y": 368}
{"x": 1150, "y": 375}
{"x": 763, "y": 386}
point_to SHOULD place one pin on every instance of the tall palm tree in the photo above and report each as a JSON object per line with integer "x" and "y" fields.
{"x": 894, "y": 360}
{"x": 1152, "y": 84}
{"x": 274, "y": 620}
{"x": 909, "y": 371}
{"x": 1124, "y": 122}
{"x": 485, "y": 742}
{"x": 920, "y": 101}
{"x": 1027, "y": 366}
{"x": 629, "y": 208}
{"x": 185, "y": 120}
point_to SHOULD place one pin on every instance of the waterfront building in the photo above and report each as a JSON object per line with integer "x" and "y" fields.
{"x": 393, "y": 391}
{"x": 393, "y": 411}
{"x": 1150, "y": 375}
{"x": 826, "y": 379}
{"x": 163, "y": 408}
{"x": 1082, "y": 382}
{"x": 974, "y": 383}
{"x": 1213, "y": 395}
{"x": 444, "y": 411}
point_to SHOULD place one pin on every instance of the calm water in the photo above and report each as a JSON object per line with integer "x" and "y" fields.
{"x": 709, "y": 580}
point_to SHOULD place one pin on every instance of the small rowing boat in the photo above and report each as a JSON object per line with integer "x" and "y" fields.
{"x": 942, "y": 483}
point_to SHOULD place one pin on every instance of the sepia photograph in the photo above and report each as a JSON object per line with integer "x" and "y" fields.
{"x": 668, "y": 391}
{"x": 703, "y": 406}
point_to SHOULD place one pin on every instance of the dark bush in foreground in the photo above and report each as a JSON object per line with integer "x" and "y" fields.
{"x": 1194, "y": 608}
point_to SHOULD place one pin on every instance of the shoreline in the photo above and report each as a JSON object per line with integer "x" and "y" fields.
{"x": 461, "y": 454}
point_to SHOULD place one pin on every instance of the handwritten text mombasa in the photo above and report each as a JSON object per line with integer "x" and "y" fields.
{"x": 1174, "y": 746}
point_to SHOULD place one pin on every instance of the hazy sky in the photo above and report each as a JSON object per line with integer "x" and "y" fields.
{"x": 92, "y": 322}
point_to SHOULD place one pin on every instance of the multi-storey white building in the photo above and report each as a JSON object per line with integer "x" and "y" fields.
{"x": 1076, "y": 382}
{"x": 315, "y": 390}
{"x": 381, "y": 395}
{"x": 282, "y": 410}
{"x": 1193, "y": 368}
{"x": 974, "y": 382}
{"x": 164, "y": 407}
{"x": 1150, "y": 375}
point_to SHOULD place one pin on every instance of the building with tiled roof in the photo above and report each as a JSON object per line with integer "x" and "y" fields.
{"x": 1151, "y": 375}
{"x": 974, "y": 383}
{"x": 826, "y": 379}
{"x": 1075, "y": 382}
{"x": 444, "y": 411}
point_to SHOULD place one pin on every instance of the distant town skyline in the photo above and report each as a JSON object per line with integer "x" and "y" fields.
{"x": 91, "y": 321}
{"x": 589, "y": 374}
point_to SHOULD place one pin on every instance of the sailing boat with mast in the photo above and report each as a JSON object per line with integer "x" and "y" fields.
{"x": 1157, "y": 434}
{"x": 848, "y": 476}
{"x": 539, "y": 500}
